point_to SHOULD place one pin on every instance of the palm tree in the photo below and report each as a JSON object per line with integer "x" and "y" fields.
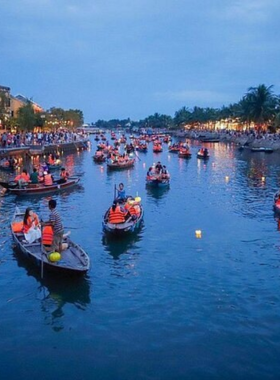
{"x": 259, "y": 105}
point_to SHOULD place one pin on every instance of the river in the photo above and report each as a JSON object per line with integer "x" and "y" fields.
{"x": 161, "y": 304}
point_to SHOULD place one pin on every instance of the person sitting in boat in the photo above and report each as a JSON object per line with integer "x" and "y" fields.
{"x": 34, "y": 176}
{"x": 164, "y": 173}
{"x": 150, "y": 172}
{"x": 121, "y": 196}
{"x": 51, "y": 159}
{"x": 186, "y": 145}
{"x": 31, "y": 226}
{"x": 132, "y": 206}
{"x": 63, "y": 176}
{"x": 22, "y": 179}
{"x": 205, "y": 152}
{"x": 116, "y": 213}
{"x": 48, "y": 179}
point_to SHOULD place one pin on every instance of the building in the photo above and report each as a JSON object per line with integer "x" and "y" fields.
{"x": 19, "y": 101}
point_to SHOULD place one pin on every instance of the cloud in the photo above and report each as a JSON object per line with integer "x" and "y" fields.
{"x": 252, "y": 11}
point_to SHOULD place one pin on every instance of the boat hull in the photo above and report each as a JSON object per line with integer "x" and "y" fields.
{"x": 39, "y": 189}
{"x": 157, "y": 183}
{"x": 118, "y": 166}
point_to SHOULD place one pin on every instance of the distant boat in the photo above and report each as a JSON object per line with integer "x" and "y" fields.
{"x": 121, "y": 165}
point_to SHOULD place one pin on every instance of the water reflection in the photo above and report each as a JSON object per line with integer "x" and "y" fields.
{"x": 56, "y": 292}
{"x": 117, "y": 246}
{"x": 157, "y": 192}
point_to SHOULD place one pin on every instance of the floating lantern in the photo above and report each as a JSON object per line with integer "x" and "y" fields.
{"x": 198, "y": 234}
{"x": 263, "y": 179}
{"x": 226, "y": 178}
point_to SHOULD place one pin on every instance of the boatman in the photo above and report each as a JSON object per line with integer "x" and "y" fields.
{"x": 55, "y": 222}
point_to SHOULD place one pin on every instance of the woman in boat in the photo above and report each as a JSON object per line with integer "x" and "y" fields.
{"x": 31, "y": 226}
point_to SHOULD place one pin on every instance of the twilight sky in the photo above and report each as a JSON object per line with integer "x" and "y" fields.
{"x": 132, "y": 58}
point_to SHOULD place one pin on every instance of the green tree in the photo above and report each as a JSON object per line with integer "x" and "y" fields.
{"x": 26, "y": 118}
{"x": 259, "y": 105}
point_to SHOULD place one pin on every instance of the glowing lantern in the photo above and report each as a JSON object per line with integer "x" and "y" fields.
{"x": 198, "y": 234}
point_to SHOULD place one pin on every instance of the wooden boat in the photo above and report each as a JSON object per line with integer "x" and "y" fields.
{"x": 155, "y": 181}
{"x": 184, "y": 153}
{"x": 142, "y": 148}
{"x": 203, "y": 156}
{"x": 116, "y": 165}
{"x": 74, "y": 259}
{"x": 126, "y": 228}
{"x": 38, "y": 189}
{"x": 99, "y": 157}
{"x": 174, "y": 149}
{"x": 157, "y": 148}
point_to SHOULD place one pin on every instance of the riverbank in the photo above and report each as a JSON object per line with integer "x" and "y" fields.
{"x": 243, "y": 139}
{"x": 38, "y": 149}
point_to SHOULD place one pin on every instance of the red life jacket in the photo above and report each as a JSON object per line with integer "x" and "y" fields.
{"x": 47, "y": 235}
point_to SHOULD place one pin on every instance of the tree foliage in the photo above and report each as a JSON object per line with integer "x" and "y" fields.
{"x": 26, "y": 118}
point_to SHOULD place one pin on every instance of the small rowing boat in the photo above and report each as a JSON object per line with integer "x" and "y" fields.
{"x": 119, "y": 165}
{"x": 203, "y": 154}
{"x": 157, "y": 181}
{"x": 129, "y": 226}
{"x": 184, "y": 153}
{"x": 73, "y": 259}
{"x": 38, "y": 189}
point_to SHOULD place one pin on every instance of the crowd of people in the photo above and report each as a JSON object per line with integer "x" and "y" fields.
{"x": 19, "y": 139}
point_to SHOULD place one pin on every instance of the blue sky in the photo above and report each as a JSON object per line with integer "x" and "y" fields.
{"x": 132, "y": 58}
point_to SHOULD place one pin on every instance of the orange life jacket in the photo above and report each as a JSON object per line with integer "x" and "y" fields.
{"x": 116, "y": 216}
{"x": 47, "y": 235}
{"x": 30, "y": 220}
{"x": 17, "y": 226}
{"x": 23, "y": 176}
{"x": 48, "y": 180}
{"x": 64, "y": 174}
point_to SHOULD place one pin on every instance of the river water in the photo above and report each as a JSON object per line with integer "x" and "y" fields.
{"x": 161, "y": 304}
